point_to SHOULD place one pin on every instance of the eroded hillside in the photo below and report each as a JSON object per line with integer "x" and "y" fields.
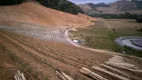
{"x": 34, "y": 13}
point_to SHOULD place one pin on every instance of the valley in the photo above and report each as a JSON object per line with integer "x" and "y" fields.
{"x": 54, "y": 40}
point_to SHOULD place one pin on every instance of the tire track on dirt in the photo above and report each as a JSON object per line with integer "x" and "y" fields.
{"x": 43, "y": 60}
{"x": 49, "y": 54}
{"x": 29, "y": 58}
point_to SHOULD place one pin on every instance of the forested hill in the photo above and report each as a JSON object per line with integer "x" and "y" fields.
{"x": 118, "y": 7}
{"x": 62, "y": 5}
{"x": 10, "y": 2}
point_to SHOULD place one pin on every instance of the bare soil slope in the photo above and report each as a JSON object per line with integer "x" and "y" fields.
{"x": 86, "y": 17}
{"x": 42, "y": 58}
{"x": 85, "y": 7}
{"x": 34, "y": 13}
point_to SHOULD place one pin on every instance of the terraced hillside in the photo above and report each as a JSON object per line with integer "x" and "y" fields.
{"x": 40, "y": 59}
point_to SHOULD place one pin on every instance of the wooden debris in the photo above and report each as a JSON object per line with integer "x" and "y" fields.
{"x": 19, "y": 76}
{"x": 63, "y": 76}
{"x": 91, "y": 74}
{"x": 110, "y": 73}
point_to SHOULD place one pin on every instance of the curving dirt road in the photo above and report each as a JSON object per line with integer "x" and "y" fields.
{"x": 91, "y": 49}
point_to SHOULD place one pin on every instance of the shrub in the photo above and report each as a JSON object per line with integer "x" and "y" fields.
{"x": 139, "y": 19}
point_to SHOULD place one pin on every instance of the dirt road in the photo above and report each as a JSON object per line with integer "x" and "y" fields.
{"x": 87, "y": 48}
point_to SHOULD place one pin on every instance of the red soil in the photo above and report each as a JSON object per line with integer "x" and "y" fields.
{"x": 86, "y": 17}
{"x": 34, "y": 13}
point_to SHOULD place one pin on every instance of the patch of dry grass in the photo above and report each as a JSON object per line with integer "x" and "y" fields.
{"x": 103, "y": 34}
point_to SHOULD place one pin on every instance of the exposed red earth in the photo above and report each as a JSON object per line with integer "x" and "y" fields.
{"x": 34, "y": 13}
{"x": 30, "y": 36}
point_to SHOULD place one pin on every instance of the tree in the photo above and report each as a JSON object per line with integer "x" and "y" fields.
{"x": 139, "y": 19}
{"x": 10, "y": 2}
{"x": 62, "y": 5}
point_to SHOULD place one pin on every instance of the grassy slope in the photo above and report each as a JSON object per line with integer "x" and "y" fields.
{"x": 102, "y": 36}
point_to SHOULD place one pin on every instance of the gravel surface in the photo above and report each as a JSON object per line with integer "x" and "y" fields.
{"x": 37, "y": 32}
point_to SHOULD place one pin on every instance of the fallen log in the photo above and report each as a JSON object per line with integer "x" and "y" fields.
{"x": 19, "y": 76}
{"x": 91, "y": 74}
{"x": 63, "y": 76}
{"x": 110, "y": 73}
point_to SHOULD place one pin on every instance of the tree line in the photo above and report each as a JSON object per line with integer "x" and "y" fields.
{"x": 10, "y": 2}
{"x": 118, "y": 16}
{"x": 62, "y": 5}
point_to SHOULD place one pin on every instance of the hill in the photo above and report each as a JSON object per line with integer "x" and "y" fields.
{"x": 86, "y": 17}
{"x": 118, "y": 7}
{"x": 34, "y": 13}
{"x": 86, "y": 8}
{"x": 62, "y": 5}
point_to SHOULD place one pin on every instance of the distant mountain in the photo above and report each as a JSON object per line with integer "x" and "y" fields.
{"x": 121, "y": 6}
{"x": 138, "y": 3}
{"x": 98, "y": 5}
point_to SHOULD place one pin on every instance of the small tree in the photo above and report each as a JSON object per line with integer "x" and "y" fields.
{"x": 139, "y": 19}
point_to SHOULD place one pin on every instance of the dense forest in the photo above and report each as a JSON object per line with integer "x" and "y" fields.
{"x": 125, "y": 15}
{"x": 62, "y": 5}
{"x": 10, "y": 2}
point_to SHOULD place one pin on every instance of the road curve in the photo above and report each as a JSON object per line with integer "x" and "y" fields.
{"x": 91, "y": 49}
{"x": 87, "y": 48}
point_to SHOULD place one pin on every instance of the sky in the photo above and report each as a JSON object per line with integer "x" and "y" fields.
{"x": 91, "y": 1}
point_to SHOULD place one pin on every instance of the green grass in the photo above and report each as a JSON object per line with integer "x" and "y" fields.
{"x": 101, "y": 37}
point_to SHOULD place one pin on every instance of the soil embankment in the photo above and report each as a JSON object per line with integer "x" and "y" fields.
{"x": 34, "y": 13}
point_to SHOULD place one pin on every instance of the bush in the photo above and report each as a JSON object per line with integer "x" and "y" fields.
{"x": 139, "y": 19}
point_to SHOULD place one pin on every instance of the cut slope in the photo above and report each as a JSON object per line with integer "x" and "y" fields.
{"x": 85, "y": 7}
{"x": 86, "y": 17}
{"x": 34, "y": 13}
